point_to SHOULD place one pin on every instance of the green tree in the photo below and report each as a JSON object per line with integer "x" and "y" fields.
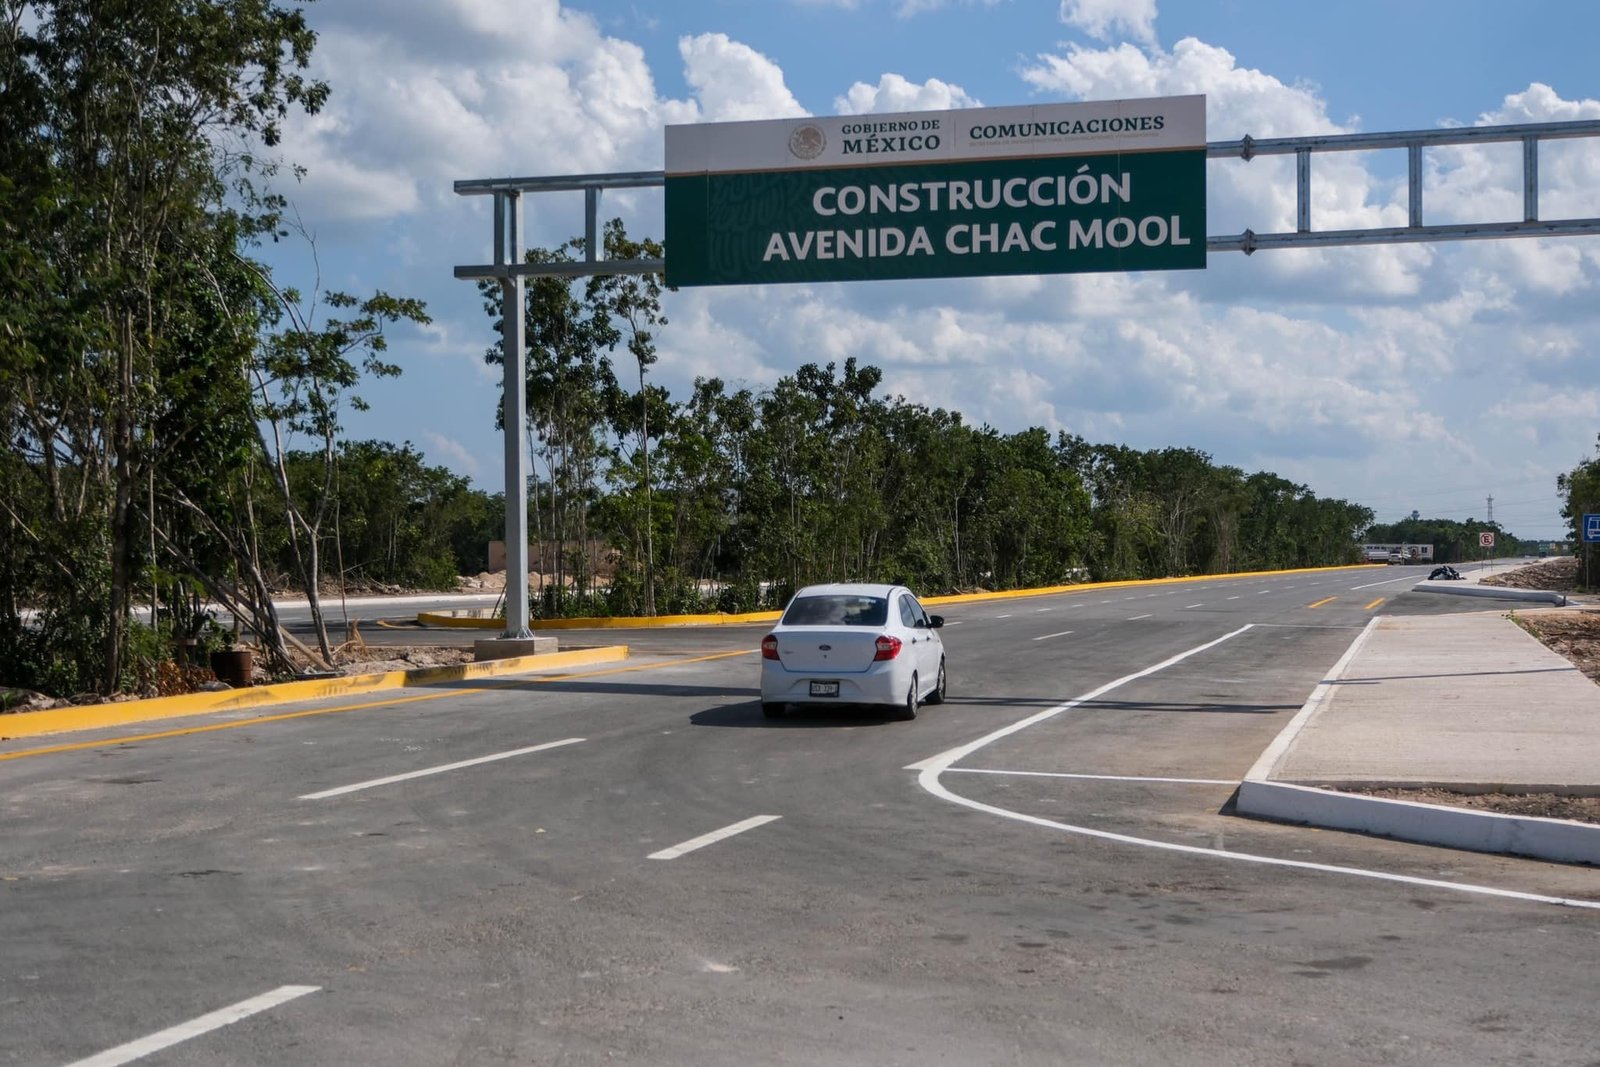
{"x": 122, "y": 172}
{"x": 1580, "y": 488}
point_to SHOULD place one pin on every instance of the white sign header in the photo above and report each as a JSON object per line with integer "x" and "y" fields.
{"x": 1169, "y": 122}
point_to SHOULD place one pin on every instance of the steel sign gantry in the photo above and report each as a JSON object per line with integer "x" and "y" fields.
{"x": 510, "y": 269}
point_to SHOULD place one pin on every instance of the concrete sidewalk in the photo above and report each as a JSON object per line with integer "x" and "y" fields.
{"x": 1469, "y": 702}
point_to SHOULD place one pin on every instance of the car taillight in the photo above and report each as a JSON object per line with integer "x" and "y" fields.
{"x": 769, "y": 647}
{"x": 887, "y": 647}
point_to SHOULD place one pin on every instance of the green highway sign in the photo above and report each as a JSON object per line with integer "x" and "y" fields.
{"x": 1068, "y": 188}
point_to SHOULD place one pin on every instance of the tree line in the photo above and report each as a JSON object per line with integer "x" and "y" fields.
{"x": 731, "y": 497}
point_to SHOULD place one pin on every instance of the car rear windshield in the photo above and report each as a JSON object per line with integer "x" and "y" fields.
{"x": 837, "y": 610}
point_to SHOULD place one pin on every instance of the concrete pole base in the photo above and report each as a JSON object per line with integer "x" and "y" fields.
{"x": 507, "y": 647}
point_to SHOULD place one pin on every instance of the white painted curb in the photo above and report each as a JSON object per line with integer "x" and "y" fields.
{"x": 1546, "y": 596}
{"x": 1559, "y": 840}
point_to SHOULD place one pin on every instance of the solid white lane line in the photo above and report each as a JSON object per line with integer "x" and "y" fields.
{"x": 1098, "y": 777}
{"x": 426, "y": 771}
{"x": 930, "y": 769}
{"x": 1186, "y": 607}
{"x": 713, "y": 837}
{"x": 1136, "y": 618}
{"x": 215, "y": 1020}
{"x": 1390, "y": 581}
{"x": 1046, "y": 637}
{"x": 1280, "y": 744}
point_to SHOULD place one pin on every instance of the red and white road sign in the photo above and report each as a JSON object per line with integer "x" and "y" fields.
{"x": 1486, "y": 540}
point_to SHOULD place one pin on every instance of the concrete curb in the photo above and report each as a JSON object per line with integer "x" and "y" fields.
{"x": 1558, "y": 840}
{"x": 1303, "y": 803}
{"x": 1544, "y": 596}
{"x": 624, "y": 622}
{"x": 97, "y": 716}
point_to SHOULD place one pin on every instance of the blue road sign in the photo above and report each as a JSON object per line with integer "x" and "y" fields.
{"x": 1591, "y": 527}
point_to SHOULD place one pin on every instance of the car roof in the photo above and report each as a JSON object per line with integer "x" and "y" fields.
{"x": 850, "y": 589}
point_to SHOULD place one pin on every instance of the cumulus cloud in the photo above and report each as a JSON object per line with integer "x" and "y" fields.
{"x": 894, "y": 93}
{"x": 734, "y": 82}
{"x": 451, "y": 453}
{"x": 1104, "y": 19}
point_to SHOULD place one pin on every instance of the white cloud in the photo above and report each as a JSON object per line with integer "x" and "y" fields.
{"x": 912, "y": 8}
{"x": 451, "y": 453}
{"x": 1102, "y": 19}
{"x": 734, "y": 82}
{"x": 894, "y": 93}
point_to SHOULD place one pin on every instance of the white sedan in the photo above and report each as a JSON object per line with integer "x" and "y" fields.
{"x": 853, "y": 643}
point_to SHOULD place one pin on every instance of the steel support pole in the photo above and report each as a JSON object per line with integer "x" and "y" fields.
{"x": 514, "y": 411}
{"x": 591, "y": 225}
{"x": 1414, "y": 184}
{"x": 1530, "y": 179}
{"x": 1302, "y": 190}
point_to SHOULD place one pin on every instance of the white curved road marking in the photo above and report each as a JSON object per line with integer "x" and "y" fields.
{"x": 930, "y": 770}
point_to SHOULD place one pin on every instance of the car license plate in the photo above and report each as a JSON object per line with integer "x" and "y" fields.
{"x": 824, "y": 689}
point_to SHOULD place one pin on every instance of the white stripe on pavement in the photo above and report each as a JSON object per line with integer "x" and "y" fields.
{"x": 931, "y": 768}
{"x": 713, "y": 837}
{"x": 1046, "y": 637}
{"x": 1097, "y": 777}
{"x": 1136, "y": 618}
{"x": 1388, "y": 581}
{"x": 216, "y": 1020}
{"x": 343, "y": 789}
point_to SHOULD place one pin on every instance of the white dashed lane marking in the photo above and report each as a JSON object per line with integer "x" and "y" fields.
{"x": 216, "y": 1020}
{"x": 426, "y": 771}
{"x": 713, "y": 837}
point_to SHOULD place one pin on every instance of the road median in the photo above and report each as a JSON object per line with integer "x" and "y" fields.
{"x": 120, "y": 713}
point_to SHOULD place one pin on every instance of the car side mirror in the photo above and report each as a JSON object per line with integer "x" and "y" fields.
{"x": 935, "y": 621}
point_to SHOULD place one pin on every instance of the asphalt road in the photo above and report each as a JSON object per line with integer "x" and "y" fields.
{"x": 1075, "y": 891}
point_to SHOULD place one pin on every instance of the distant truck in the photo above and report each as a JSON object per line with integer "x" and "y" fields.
{"x": 1405, "y": 553}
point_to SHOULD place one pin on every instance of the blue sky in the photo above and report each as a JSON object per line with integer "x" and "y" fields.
{"x": 1425, "y": 377}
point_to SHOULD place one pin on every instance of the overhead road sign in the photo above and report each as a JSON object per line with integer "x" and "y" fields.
{"x": 1050, "y": 189}
{"x": 1591, "y": 527}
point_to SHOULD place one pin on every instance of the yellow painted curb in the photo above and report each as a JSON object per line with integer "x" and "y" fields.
{"x": 96, "y": 716}
{"x": 458, "y": 622}
{"x": 642, "y": 622}
{"x": 603, "y": 622}
{"x": 1090, "y": 587}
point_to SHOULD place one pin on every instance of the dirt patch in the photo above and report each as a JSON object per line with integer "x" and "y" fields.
{"x": 1536, "y": 805}
{"x": 1570, "y": 632}
{"x": 1560, "y": 575}
{"x": 381, "y": 659}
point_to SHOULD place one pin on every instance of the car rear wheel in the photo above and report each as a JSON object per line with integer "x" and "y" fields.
{"x": 937, "y": 696}
{"x": 772, "y": 711}
{"x": 908, "y": 711}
